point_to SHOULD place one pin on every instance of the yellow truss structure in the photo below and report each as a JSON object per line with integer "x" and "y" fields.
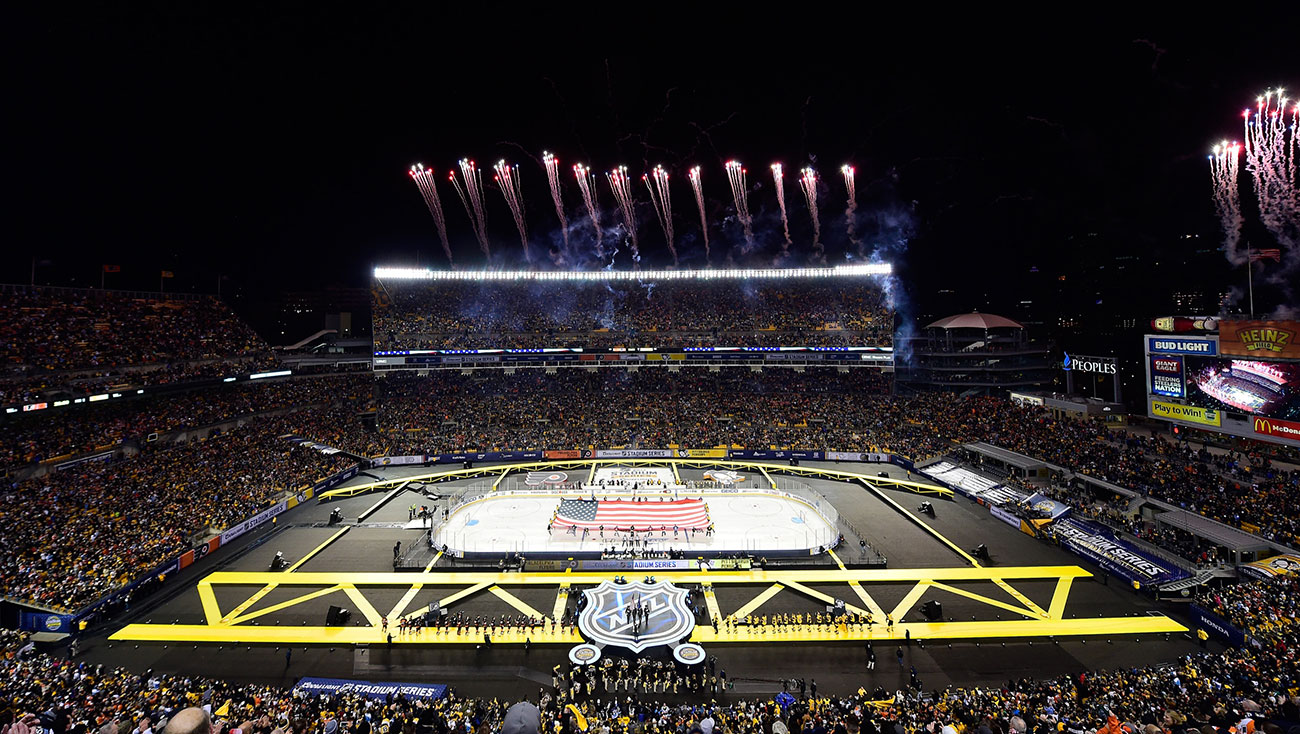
{"x": 247, "y": 623}
{"x": 763, "y": 468}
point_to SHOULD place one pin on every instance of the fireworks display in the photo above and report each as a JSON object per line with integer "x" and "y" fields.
{"x": 736, "y": 173}
{"x": 1270, "y": 146}
{"x": 618, "y": 182}
{"x": 423, "y": 178}
{"x": 851, "y": 207}
{"x": 661, "y": 198}
{"x": 1223, "y": 173}
{"x": 698, "y": 186}
{"x": 553, "y": 178}
{"x": 587, "y": 184}
{"x": 808, "y": 182}
{"x": 778, "y": 178}
{"x": 507, "y": 178}
{"x": 471, "y": 195}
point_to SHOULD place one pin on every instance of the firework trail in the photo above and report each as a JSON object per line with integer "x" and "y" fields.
{"x": 808, "y": 182}
{"x": 553, "y": 178}
{"x": 423, "y": 178}
{"x": 1271, "y": 160}
{"x": 1223, "y": 174}
{"x": 508, "y": 179}
{"x": 471, "y": 195}
{"x": 587, "y": 183}
{"x": 778, "y": 178}
{"x": 618, "y": 182}
{"x": 740, "y": 193}
{"x": 661, "y": 198}
{"x": 851, "y": 209}
{"x": 699, "y": 202}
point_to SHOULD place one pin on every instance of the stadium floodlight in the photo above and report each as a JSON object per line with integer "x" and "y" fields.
{"x": 839, "y": 271}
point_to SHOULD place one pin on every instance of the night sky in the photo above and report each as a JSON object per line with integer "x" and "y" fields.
{"x": 272, "y": 147}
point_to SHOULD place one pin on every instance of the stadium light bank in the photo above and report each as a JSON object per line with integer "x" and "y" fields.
{"x": 840, "y": 271}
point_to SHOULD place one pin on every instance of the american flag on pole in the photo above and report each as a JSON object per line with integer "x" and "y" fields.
{"x": 1273, "y": 254}
{"x": 626, "y": 514}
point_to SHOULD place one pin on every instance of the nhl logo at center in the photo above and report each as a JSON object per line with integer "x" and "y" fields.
{"x": 636, "y": 615}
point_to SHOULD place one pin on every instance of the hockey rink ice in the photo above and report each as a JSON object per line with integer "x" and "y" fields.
{"x": 750, "y": 520}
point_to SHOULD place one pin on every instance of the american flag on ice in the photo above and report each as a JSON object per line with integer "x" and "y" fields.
{"x": 626, "y": 514}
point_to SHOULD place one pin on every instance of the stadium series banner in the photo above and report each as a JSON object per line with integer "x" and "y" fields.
{"x": 1098, "y": 544}
{"x": 371, "y": 690}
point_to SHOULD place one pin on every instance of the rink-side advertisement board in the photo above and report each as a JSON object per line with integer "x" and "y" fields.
{"x": 381, "y": 691}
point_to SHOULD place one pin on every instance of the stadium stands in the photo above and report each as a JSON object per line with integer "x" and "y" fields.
{"x": 71, "y": 341}
{"x": 676, "y": 313}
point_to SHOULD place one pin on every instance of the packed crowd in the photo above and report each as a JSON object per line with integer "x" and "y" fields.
{"x": 70, "y": 537}
{"x": 1268, "y": 610}
{"x": 1209, "y": 693}
{"x": 26, "y": 385}
{"x": 30, "y": 437}
{"x": 673, "y": 313}
{"x": 67, "y": 329}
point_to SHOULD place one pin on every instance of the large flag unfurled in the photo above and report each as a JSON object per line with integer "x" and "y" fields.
{"x": 624, "y": 514}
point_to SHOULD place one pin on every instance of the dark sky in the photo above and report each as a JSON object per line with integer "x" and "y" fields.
{"x": 272, "y": 146}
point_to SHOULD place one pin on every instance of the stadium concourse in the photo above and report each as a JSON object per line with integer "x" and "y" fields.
{"x": 202, "y": 453}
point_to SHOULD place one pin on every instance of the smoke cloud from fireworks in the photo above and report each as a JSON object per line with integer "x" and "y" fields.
{"x": 661, "y": 199}
{"x": 471, "y": 195}
{"x": 423, "y": 178}
{"x": 619, "y": 184}
{"x": 778, "y": 179}
{"x": 1223, "y": 175}
{"x": 507, "y": 178}
{"x": 698, "y": 187}
{"x": 553, "y": 178}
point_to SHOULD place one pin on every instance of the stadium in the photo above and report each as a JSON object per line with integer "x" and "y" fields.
{"x": 399, "y": 378}
{"x": 699, "y": 487}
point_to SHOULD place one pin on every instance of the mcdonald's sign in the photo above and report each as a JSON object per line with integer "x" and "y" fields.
{"x": 1274, "y": 427}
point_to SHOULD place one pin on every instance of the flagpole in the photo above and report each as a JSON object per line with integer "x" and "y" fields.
{"x": 1250, "y": 282}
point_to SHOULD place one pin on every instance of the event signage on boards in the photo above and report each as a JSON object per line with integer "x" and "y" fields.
{"x": 1099, "y": 544}
{"x": 1260, "y": 339}
{"x": 1167, "y": 376}
{"x": 1203, "y": 346}
{"x": 1186, "y": 413}
{"x": 382, "y": 691}
{"x": 1093, "y": 365}
{"x": 1277, "y": 428}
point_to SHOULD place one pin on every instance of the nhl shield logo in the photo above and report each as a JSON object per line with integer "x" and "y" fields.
{"x": 635, "y": 615}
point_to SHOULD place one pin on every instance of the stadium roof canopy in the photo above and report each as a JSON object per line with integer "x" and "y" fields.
{"x": 1010, "y": 458}
{"x": 1215, "y": 532}
{"x": 976, "y": 321}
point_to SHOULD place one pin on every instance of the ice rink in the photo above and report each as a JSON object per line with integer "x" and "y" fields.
{"x": 750, "y": 520}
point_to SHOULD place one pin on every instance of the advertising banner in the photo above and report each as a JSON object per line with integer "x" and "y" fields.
{"x": 634, "y": 453}
{"x": 43, "y": 622}
{"x": 1044, "y": 506}
{"x": 1204, "y": 346}
{"x": 562, "y": 454}
{"x": 701, "y": 453}
{"x": 1005, "y": 516}
{"x": 238, "y": 529}
{"x": 1186, "y": 413}
{"x": 1276, "y": 428}
{"x": 1098, "y": 544}
{"x": 338, "y": 478}
{"x": 400, "y": 460}
{"x": 857, "y": 456}
{"x": 1283, "y": 565}
{"x": 199, "y": 551}
{"x": 761, "y": 454}
{"x": 370, "y": 690}
{"x": 1217, "y": 626}
{"x": 631, "y": 564}
{"x": 1260, "y": 339}
{"x": 1167, "y": 377}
